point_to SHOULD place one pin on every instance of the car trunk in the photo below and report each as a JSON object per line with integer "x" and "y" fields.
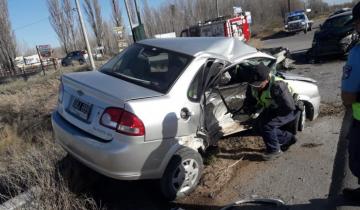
{"x": 88, "y": 94}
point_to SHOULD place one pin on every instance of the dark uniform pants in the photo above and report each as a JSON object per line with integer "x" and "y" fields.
{"x": 270, "y": 129}
{"x": 354, "y": 148}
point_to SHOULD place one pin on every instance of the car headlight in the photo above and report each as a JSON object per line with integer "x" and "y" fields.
{"x": 347, "y": 39}
{"x": 303, "y": 23}
{"x": 286, "y": 26}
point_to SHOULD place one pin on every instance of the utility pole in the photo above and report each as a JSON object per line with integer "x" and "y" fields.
{"x": 136, "y": 25}
{"x": 172, "y": 9}
{"x": 85, "y": 35}
{"x": 217, "y": 8}
{"x": 289, "y": 6}
{"x": 41, "y": 62}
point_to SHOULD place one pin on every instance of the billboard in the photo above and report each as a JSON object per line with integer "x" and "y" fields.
{"x": 44, "y": 50}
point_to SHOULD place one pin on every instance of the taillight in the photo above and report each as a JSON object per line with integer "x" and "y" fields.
{"x": 122, "y": 121}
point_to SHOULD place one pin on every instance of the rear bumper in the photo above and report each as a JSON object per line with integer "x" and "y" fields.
{"x": 118, "y": 159}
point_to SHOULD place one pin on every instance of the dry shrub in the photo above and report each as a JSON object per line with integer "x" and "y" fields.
{"x": 28, "y": 155}
{"x": 39, "y": 166}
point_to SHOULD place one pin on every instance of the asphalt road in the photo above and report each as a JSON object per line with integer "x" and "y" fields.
{"x": 305, "y": 177}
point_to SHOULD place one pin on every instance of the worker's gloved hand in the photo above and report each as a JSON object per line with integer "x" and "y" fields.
{"x": 256, "y": 114}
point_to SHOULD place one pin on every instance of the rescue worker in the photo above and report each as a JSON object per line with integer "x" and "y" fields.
{"x": 270, "y": 100}
{"x": 350, "y": 94}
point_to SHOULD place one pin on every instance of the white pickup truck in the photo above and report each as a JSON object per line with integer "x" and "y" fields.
{"x": 298, "y": 21}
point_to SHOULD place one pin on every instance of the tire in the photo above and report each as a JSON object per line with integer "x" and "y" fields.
{"x": 302, "y": 119}
{"x": 305, "y": 31}
{"x": 178, "y": 180}
{"x": 81, "y": 62}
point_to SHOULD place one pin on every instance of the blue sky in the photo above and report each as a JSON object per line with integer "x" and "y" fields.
{"x": 30, "y": 21}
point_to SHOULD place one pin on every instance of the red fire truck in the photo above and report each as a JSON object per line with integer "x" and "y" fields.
{"x": 238, "y": 26}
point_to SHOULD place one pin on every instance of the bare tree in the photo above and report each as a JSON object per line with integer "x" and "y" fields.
{"x": 7, "y": 39}
{"x": 116, "y": 13}
{"x": 190, "y": 12}
{"x": 62, "y": 21}
{"x": 93, "y": 13}
{"x": 110, "y": 39}
{"x": 70, "y": 23}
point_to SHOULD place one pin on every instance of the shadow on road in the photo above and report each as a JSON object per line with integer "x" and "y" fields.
{"x": 302, "y": 57}
{"x": 110, "y": 193}
{"x": 277, "y": 35}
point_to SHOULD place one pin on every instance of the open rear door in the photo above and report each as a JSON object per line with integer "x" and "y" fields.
{"x": 222, "y": 99}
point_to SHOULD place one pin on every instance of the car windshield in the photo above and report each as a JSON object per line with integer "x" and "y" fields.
{"x": 151, "y": 67}
{"x": 297, "y": 17}
{"x": 337, "y": 22}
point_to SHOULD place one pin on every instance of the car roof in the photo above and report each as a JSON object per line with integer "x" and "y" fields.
{"x": 217, "y": 47}
{"x": 340, "y": 15}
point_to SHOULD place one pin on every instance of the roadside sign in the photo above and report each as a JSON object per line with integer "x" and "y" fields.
{"x": 44, "y": 50}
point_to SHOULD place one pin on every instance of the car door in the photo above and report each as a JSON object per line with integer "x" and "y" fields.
{"x": 223, "y": 96}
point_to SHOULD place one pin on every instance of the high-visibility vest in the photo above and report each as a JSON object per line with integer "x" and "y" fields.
{"x": 265, "y": 100}
{"x": 356, "y": 110}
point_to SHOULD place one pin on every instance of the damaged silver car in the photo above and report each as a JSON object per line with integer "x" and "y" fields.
{"x": 150, "y": 111}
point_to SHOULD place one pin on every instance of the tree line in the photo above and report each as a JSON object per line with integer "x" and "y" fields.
{"x": 171, "y": 16}
{"x": 65, "y": 23}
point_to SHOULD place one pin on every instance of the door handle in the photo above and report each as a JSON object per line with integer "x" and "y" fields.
{"x": 185, "y": 114}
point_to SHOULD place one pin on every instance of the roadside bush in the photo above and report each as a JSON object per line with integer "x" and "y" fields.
{"x": 29, "y": 157}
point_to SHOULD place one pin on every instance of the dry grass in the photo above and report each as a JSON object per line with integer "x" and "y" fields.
{"x": 28, "y": 155}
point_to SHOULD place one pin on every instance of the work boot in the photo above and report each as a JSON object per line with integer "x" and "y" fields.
{"x": 272, "y": 155}
{"x": 352, "y": 194}
{"x": 286, "y": 146}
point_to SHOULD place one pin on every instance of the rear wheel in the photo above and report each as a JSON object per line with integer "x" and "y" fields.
{"x": 182, "y": 174}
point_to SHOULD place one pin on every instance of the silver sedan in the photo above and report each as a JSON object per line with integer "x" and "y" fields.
{"x": 151, "y": 110}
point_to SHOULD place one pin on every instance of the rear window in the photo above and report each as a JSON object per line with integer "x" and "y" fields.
{"x": 151, "y": 67}
{"x": 338, "y": 22}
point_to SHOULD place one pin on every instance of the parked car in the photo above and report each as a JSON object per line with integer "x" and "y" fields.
{"x": 335, "y": 37}
{"x": 298, "y": 21}
{"x": 79, "y": 56}
{"x": 151, "y": 110}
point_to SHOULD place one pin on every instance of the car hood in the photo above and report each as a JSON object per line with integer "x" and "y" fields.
{"x": 295, "y": 21}
{"x": 111, "y": 86}
{"x": 290, "y": 76}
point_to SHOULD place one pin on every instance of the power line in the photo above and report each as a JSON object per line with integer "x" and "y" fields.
{"x": 30, "y": 24}
{"x": 43, "y": 19}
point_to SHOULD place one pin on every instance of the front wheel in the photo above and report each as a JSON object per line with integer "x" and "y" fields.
{"x": 182, "y": 174}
